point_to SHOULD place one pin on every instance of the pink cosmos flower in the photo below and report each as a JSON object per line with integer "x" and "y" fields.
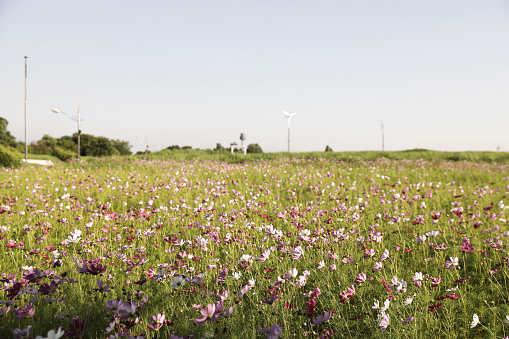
{"x": 361, "y": 277}
{"x": 156, "y": 321}
{"x": 378, "y": 266}
{"x": 385, "y": 255}
{"x": 297, "y": 253}
{"x": 383, "y": 321}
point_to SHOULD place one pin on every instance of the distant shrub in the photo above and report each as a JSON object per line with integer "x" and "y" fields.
{"x": 328, "y": 149}
{"x": 63, "y": 154}
{"x": 9, "y": 157}
{"x": 254, "y": 148}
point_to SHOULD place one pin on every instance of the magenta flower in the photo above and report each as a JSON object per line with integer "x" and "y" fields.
{"x": 361, "y": 277}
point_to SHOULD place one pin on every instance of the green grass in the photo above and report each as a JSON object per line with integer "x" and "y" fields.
{"x": 415, "y": 154}
{"x": 158, "y": 206}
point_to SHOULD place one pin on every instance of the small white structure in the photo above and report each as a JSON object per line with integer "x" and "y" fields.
{"x": 39, "y": 162}
{"x": 243, "y": 148}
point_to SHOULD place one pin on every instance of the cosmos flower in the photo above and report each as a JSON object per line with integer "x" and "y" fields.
{"x": 322, "y": 318}
{"x": 475, "y": 321}
{"x": 297, "y": 253}
{"x": 52, "y": 334}
{"x": 383, "y": 321}
{"x": 178, "y": 282}
{"x": 273, "y": 333}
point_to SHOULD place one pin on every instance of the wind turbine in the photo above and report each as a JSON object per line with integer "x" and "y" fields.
{"x": 289, "y": 117}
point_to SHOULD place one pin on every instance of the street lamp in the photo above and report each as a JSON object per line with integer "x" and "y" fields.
{"x": 77, "y": 118}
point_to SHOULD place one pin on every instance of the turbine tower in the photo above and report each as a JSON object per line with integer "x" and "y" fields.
{"x": 289, "y": 117}
{"x": 382, "y": 128}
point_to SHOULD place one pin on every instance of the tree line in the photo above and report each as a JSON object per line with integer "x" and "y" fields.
{"x": 65, "y": 147}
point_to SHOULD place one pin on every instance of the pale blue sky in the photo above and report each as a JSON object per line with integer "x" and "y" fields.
{"x": 201, "y": 72}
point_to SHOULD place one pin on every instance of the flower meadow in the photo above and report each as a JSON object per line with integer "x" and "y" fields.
{"x": 269, "y": 249}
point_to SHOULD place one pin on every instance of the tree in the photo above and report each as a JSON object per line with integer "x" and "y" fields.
{"x": 6, "y": 137}
{"x": 328, "y": 149}
{"x": 219, "y": 147}
{"x": 254, "y": 148}
{"x": 122, "y": 147}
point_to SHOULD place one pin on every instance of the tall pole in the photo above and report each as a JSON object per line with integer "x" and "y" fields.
{"x": 383, "y": 138}
{"x": 79, "y": 132}
{"x": 26, "y": 128}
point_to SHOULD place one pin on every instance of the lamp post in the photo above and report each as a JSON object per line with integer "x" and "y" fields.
{"x": 77, "y": 118}
{"x": 26, "y": 128}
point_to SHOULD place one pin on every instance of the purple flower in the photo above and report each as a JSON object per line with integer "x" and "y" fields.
{"x": 27, "y": 311}
{"x": 4, "y": 310}
{"x": 48, "y": 289}
{"x": 273, "y": 333}
{"x": 76, "y": 327}
{"x": 19, "y": 334}
{"x": 407, "y": 320}
{"x": 96, "y": 269}
{"x": 113, "y": 305}
{"x": 270, "y": 300}
{"x": 102, "y": 288}
{"x": 322, "y": 318}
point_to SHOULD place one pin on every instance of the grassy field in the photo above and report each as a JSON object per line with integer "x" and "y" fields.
{"x": 415, "y": 154}
{"x": 200, "y": 244}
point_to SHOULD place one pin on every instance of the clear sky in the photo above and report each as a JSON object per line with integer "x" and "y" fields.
{"x": 196, "y": 73}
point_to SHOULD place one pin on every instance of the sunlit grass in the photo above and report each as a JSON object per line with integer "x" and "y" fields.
{"x": 146, "y": 222}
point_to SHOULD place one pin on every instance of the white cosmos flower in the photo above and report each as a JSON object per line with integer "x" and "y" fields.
{"x": 452, "y": 289}
{"x": 506, "y": 320}
{"x": 408, "y": 301}
{"x": 52, "y": 334}
{"x": 178, "y": 282}
{"x": 475, "y": 321}
{"x": 386, "y": 305}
